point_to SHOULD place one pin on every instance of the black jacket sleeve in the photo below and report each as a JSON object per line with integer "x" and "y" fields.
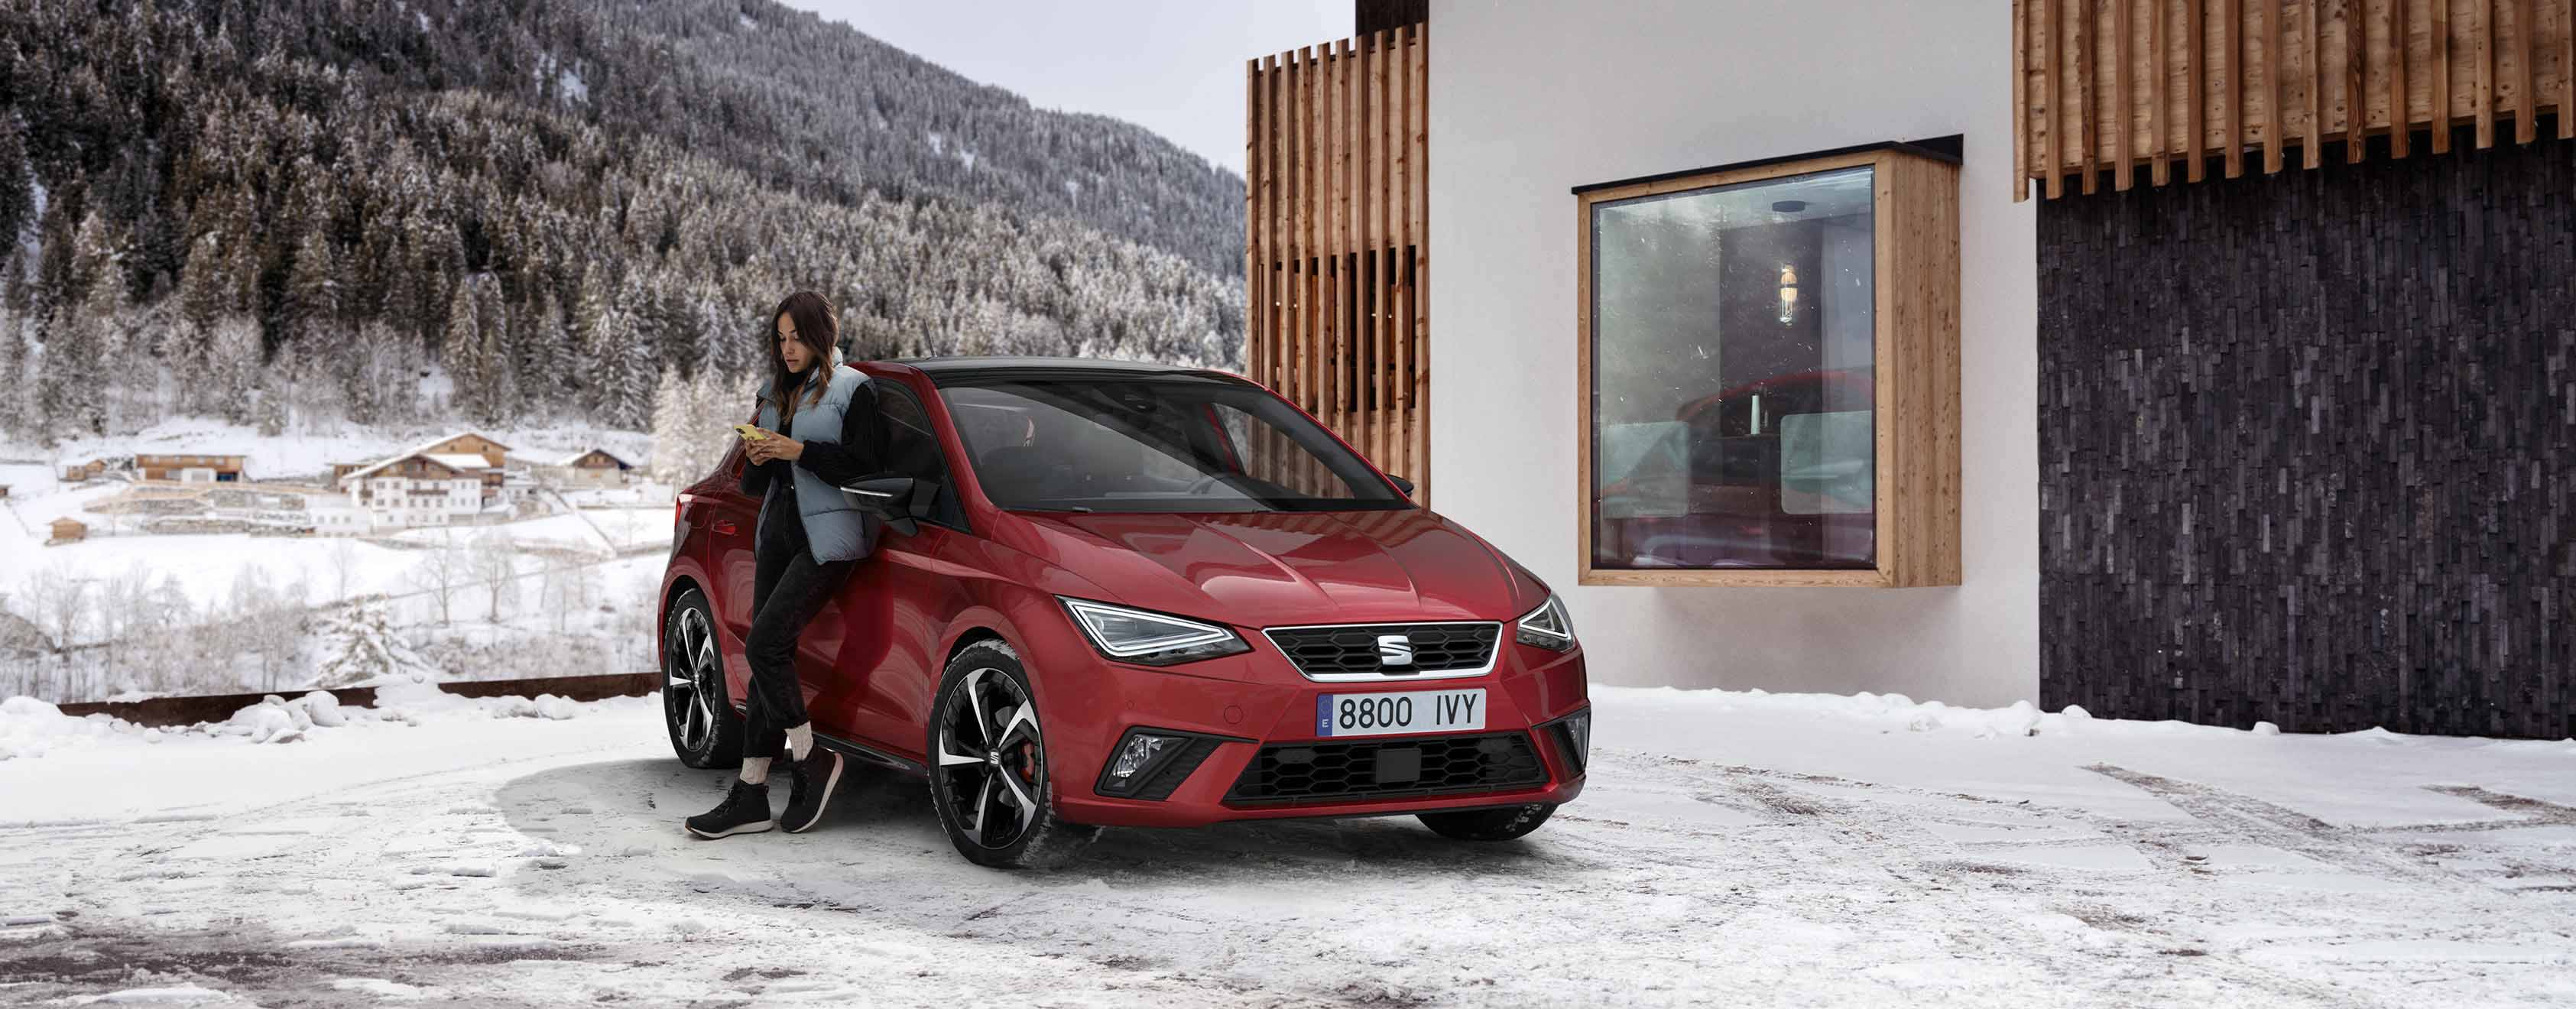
{"x": 862, "y": 451}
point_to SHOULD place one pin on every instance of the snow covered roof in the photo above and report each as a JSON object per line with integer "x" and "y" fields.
{"x": 444, "y": 439}
{"x": 360, "y": 474}
{"x": 460, "y": 460}
{"x": 585, "y": 453}
{"x": 423, "y": 450}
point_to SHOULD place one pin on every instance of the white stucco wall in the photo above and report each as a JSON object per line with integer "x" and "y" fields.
{"x": 1532, "y": 97}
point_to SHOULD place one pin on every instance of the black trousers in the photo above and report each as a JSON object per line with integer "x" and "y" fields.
{"x": 788, "y": 587}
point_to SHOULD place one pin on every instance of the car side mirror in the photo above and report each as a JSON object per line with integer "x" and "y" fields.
{"x": 1401, "y": 484}
{"x": 900, "y": 500}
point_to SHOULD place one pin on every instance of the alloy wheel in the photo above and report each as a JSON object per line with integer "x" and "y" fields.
{"x": 692, "y": 679}
{"x": 994, "y": 756}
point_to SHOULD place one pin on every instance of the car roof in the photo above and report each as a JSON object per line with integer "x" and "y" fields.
{"x": 942, "y": 370}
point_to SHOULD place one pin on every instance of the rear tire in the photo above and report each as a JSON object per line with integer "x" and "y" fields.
{"x": 704, "y": 730}
{"x": 1510, "y": 823}
{"x": 989, "y": 775}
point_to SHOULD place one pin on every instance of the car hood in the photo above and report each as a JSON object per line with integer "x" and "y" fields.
{"x": 1268, "y": 569}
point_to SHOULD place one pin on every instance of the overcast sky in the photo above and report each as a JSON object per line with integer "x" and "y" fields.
{"x": 1172, "y": 66}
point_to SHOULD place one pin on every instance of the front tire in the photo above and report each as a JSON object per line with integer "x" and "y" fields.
{"x": 988, "y": 765}
{"x": 695, "y": 711}
{"x": 1506, "y": 824}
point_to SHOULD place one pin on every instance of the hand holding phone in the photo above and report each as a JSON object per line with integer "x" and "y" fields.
{"x": 749, "y": 432}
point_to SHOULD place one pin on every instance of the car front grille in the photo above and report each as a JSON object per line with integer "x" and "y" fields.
{"x": 1361, "y": 651}
{"x": 1294, "y": 773}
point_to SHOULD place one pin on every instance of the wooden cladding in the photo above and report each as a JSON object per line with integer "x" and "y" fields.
{"x": 1334, "y": 241}
{"x": 2107, "y": 87}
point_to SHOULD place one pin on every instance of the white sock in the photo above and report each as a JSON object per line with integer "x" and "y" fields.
{"x": 755, "y": 770}
{"x": 800, "y": 741}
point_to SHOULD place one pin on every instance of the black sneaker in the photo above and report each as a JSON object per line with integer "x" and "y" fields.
{"x": 745, "y": 810}
{"x": 815, "y": 778}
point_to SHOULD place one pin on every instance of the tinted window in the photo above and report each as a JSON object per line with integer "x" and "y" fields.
{"x": 1163, "y": 444}
{"x": 912, "y": 449}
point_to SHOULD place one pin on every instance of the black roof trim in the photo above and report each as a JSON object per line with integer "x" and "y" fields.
{"x": 1949, "y": 148}
{"x": 947, "y": 369}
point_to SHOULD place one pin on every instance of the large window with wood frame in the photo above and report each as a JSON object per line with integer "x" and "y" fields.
{"x": 1769, "y": 369}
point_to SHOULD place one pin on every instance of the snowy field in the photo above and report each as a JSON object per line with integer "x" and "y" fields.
{"x": 154, "y": 614}
{"x": 1731, "y": 849}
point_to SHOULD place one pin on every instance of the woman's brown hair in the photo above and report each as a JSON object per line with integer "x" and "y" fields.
{"x": 819, "y": 329}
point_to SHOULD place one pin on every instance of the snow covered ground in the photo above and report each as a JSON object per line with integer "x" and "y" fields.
{"x": 1730, "y": 849}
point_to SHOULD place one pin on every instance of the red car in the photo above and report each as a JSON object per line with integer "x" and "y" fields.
{"x": 1132, "y": 595}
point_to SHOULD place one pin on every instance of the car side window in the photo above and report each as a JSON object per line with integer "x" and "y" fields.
{"x": 912, "y": 449}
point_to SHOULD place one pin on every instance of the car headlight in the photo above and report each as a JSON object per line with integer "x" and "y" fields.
{"x": 1546, "y": 627}
{"x": 1148, "y": 638}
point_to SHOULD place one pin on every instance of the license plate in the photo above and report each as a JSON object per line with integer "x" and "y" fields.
{"x": 1400, "y": 712}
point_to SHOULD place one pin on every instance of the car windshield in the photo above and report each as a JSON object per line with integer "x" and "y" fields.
{"x": 1164, "y": 443}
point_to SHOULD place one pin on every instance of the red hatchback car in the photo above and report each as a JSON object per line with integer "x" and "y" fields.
{"x": 1131, "y": 595}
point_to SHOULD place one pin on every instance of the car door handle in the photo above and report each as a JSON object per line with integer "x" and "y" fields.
{"x": 723, "y": 527}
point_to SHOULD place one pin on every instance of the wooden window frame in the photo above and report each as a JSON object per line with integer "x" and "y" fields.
{"x": 1914, "y": 357}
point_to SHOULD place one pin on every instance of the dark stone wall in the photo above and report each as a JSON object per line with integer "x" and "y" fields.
{"x": 2308, "y": 446}
{"x": 1371, "y": 16}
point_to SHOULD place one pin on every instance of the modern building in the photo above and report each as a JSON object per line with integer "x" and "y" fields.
{"x": 2197, "y": 360}
{"x": 190, "y": 468}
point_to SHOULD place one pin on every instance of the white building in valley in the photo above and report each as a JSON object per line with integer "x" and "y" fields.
{"x": 418, "y": 489}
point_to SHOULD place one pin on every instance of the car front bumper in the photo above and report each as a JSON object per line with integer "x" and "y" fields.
{"x": 1240, "y": 711}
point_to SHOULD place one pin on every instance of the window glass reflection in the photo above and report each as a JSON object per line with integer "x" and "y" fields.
{"x": 1733, "y": 404}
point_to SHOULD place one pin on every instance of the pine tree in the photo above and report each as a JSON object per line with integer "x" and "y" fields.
{"x": 368, "y": 375}
{"x": 267, "y": 405}
{"x": 590, "y": 306}
{"x": 13, "y": 374}
{"x": 669, "y": 425}
{"x": 400, "y": 303}
{"x": 547, "y": 355}
{"x": 500, "y": 397}
{"x": 17, "y": 184}
{"x": 116, "y": 370}
{"x": 461, "y": 352}
{"x": 312, "y": 309}
{"x": 233, "y": 368}
{"x": 625, "y": 372}
{"x": 358, "y": 644}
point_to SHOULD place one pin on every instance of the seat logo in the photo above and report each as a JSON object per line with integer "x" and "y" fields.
{"x": 1394, "y": 650}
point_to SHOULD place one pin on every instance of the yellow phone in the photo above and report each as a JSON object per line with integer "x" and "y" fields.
{"x": 748, "y": 432}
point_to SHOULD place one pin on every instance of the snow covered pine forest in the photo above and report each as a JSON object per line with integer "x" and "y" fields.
{"x": 313, "y": 232}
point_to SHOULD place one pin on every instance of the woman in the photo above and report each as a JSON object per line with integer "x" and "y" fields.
{"x": 806, "y": 541}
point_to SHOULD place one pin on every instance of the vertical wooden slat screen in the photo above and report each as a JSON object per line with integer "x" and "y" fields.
{"x": 1336, "y": 168}
{"x": 2101, "y": 85}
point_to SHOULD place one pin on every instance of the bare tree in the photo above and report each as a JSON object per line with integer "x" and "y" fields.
{"x": 268, "y": 621}
{"x": 553, "y": 593}
{"x": 343, "y": 558}
{"x": 120, "y": 614}
{"x": 61, "y": 600}
{"x": 441, "y": 572}
{"x": 494, "y": 561}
